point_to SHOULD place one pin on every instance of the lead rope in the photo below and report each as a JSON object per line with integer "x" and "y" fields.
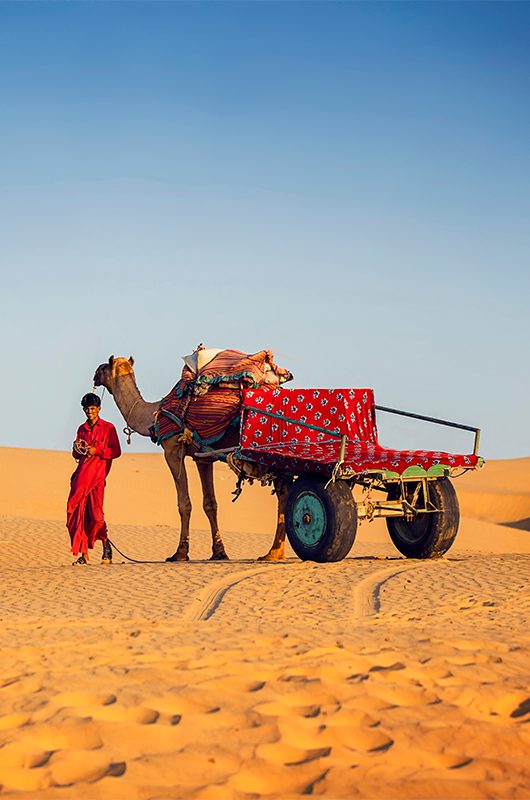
{"x": 128, "y": 431}
{"x": 134, "y": 560}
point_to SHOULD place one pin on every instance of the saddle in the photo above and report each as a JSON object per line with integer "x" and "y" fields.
{"x": 207, "y": 398}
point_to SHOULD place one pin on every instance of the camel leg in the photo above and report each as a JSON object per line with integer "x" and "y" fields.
{"x": 209, "y": 503}
{"x": 173, "y": 451}
{"x": 277, "y": 551}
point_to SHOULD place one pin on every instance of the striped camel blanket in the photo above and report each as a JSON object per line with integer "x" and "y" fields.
{"x": 207, "y": 399}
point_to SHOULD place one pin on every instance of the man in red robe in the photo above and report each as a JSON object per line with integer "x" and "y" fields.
{"x": 95, "y": 447}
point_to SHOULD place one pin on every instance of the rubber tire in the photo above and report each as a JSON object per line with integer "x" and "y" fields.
{"x": 428, "y": 535}
{"x": 340, "y": 517}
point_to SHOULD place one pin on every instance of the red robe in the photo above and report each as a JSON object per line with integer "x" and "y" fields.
{"x": 84, "y": 511}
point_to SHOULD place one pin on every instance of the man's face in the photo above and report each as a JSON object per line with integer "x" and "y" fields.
{"x": 92, "y": 414}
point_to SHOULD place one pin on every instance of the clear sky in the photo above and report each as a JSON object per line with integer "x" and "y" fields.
{"x": 347, "y": 184}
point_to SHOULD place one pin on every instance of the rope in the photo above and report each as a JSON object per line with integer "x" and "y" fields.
{"x": 134, "y": 560}
{"x": 81, "y": 447}
{"x": 128, "y": 431}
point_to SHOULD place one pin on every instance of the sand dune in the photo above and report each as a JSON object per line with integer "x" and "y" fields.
{"x": 499, "y": 493}
{"x": 373, "y": 677}
{"x": 141, "y": 491}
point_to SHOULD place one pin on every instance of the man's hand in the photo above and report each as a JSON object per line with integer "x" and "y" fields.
{"x": 91, "y": 451}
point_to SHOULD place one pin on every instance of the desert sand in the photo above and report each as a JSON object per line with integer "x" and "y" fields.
{"x": 374, "y": 677}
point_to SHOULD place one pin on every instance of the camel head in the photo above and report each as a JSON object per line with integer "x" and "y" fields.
{"x": 106, "y": 374}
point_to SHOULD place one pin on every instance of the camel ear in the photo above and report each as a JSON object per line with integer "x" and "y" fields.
{"x": 131, "y": 360}
{"x": 111, "y": 359}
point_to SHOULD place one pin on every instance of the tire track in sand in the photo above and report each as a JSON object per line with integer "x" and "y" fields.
{"x": 208, "y": 600}
{"x": 366, "y": 595}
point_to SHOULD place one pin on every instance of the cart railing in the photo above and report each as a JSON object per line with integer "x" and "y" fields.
{"x": 437, "y": 421}
{"x": 339, "y": 435}
{"x": 211, "y": 454}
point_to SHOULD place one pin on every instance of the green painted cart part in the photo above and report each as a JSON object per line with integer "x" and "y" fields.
{"x": 309, "y": 519}
{"x": 415, "y": 471}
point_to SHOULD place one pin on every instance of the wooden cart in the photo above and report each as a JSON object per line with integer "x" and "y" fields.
{"x": 323, "y": 442}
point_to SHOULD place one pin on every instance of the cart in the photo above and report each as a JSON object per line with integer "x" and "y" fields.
{"x": 323, "y": 442}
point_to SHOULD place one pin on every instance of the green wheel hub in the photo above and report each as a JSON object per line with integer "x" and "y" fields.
{"x": 309, "y": 519}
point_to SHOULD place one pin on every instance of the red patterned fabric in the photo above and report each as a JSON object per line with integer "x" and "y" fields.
{"x": 207, "y": 415}
{"x": 233, "y": 366}
{"x": 208, "y": 403}
{"x": 296, "y": 447}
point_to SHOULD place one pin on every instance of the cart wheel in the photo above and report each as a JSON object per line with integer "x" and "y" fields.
{"x": 427, "y": 535}
{"x": 321, "y": 523}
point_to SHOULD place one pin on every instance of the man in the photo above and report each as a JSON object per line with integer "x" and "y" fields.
{"x": 95, "y": 446}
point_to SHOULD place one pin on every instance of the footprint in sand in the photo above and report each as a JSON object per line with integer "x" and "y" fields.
{"x": 442, "y": 760}
{"x": 522, "y": 709}
{"x": 82, "y": 767}
{"x": 21, "y": 756}
{"x": 62, "y": 769}
{"x": 183, "y": 770}
{"x": 405, "y": 695}
{"x": 513, "y": 704}
{"x": 232, "y": 683}
{"x": 119, "y": 713}
{"x": 491, "y": 701}
{"x": 74, "y": 699}
{"x": 310, "y": 696}
{"x": 11, "y": 721}
{"x": 21, "y": 684}
{"x": 25, "y": 780}
{"x": 368, "y": 702}
{"x": 278, "y": 708}
{"x": 72, "y": 735}
{"x": 260, "y": 777}
{"x": 302, "y": 732}
{"x": 462, "y": 660}
{"x": 317, "y": 733}
{"x": 217, "y": 719}
{"x": 365, "y": 740}
{"x": 177, "y": 703}
{"x": 351, "y": 718}
{"x": 422, "y": 673}
{"x": 281, "y": 753}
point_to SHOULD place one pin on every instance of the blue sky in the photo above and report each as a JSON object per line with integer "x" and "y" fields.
{"x": 344, "y": 183}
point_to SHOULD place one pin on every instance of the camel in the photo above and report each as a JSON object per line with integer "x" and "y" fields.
{"x": 117, "y": 376}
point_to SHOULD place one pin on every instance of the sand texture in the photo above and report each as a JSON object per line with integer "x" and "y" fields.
{"x": 374, "y": 677}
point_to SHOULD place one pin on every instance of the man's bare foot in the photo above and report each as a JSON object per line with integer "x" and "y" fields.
{"x": 81, "y": 561}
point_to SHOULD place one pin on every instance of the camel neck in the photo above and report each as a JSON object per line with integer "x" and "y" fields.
{"x": 137, "y": 413}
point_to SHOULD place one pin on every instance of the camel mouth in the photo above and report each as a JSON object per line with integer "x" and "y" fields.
{"x": 98, "y": 376}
